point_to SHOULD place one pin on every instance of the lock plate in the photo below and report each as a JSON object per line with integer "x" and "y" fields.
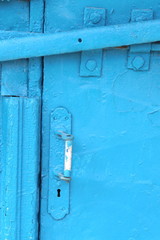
{"x": 58, "y": 193}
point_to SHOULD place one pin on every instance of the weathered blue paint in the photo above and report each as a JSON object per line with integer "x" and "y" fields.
{"x": 14, "y": 78}
{"x": 20, "y": 115}
{"x": 114, "y": 191}
{"x": 20, "y": 165}
{"x": 114, "y": 106}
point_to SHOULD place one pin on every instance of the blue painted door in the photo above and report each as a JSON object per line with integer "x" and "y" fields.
{"x": 112, "y": 98}
{"x": 104, "y": 103}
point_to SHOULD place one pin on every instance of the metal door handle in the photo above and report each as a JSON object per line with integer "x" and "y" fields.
{"x": 68, "y": 138}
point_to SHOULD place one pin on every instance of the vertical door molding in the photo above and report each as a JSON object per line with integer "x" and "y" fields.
{"x": 20, "y": 168}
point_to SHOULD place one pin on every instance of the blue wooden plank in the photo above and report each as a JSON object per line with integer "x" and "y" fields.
{"x": 35, "y": 77}
{"x": 14, "y": 78}
{"x": 35, "y": 64}
{"x": 10, "y": 156}
{"x": 36, "y": 16}
{"x": 30, "y": 169}
{"x": 20, "y": 168}
{"x": 14, "y": 15}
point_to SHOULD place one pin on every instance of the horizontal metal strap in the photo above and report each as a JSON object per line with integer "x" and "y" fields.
{"x": 37, "y": 45}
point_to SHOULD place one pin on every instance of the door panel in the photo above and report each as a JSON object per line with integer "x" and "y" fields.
{"x": 19, "y": 168}
{"x": 114, "y": 191}
{"x": 115, "y": 179}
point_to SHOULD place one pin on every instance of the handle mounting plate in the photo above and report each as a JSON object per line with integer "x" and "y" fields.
{"x": 58, "y": 193}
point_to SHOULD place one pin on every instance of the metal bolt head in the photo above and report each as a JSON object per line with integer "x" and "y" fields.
{"x": 138, "y": 62}
{"x": 91, "y": 65}
{"x": 95, "y": 17}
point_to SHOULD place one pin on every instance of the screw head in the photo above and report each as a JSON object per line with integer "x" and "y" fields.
{"x": 138, "y": 62}
{"x": 95, "y": 17}
{"x": 91, "y": 65}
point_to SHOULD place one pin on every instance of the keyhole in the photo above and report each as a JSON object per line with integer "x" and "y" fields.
{"x": 58, "y": 192}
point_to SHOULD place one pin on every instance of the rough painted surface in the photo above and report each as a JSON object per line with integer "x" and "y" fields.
{"x": 115, "y": 187}
{"x": 20, "y": 127}
{"x": 15, "y": 72}
{"x": 22, "y": 77}
{"x": 19, "y": 168}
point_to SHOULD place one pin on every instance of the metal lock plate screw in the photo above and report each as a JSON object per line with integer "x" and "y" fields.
{"x": 95, "y": 17}
{"x": 91, "y": 65}
{"x": 138, "y": 62}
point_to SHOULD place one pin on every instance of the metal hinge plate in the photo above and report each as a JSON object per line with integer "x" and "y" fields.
{"x": 91, "y": 61}
{"x": 139, "y": 55}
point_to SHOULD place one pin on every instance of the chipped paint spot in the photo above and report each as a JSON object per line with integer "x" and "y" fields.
{"x": 154, "y": 118}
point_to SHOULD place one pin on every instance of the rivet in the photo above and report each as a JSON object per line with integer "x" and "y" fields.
{"x": 138, "y": 62}
{"x": 95, "y": 17}
{"x": 55, "y": 117}
{"x": 91, "y": 65}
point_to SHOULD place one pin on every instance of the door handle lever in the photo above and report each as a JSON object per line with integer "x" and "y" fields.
{"x": 68, "y": 139}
